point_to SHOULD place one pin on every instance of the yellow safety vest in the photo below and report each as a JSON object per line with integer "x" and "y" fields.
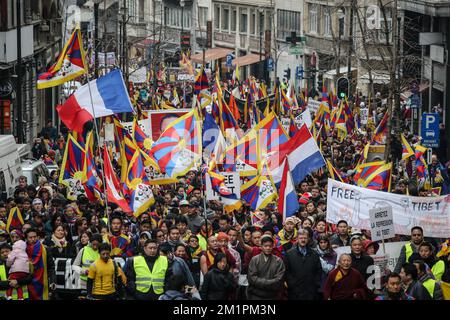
{"x": 438, "y": 270}
{"x": 409, "y": 251}
{"x": 145, "y": 279}
{"x": 88, "y": 257}
{"x": 14, "y": 296}
{"x": 3, "y": 277}
{"x": 429, "y": 285}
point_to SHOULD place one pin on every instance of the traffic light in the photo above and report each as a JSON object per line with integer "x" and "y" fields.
{"x": 185, "y": 40}
{"x": 342, "y": 87}
{"x": 287, "y": 73}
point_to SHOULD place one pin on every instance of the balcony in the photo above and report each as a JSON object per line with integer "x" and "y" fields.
{"x": 8, "y": 44}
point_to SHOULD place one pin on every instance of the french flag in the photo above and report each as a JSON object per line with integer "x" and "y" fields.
{"x": 288, "y": 200}
{"x": 109, "y": 96}
{"x": 303, "y": 157}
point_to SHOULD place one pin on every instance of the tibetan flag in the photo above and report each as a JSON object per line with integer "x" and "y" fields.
{"x": 374, "y": 176}
{"x": 213, "y": 141}
{"x": 109, "y": 96}
{"x": 334, "y": 174}
{"x": 179, "y": 148}
{"x": 234, "y": 108}
{"x": 201, "y": 81}
{"x": 286, "y": 103}
{"x": 14, "y": 220}
{"x": 37, "y": 255}
{"x": 380, "y": 134}
{"x": 72, "y": 168}
{"x": 288, "y": 200}
{"x": 325, "y": 98}
{"x": 113, "y": 189}
{"x": 407, "y": 151}
{"x": 141, "y": 195}
{"x": 91, "y": 177}
{"x": 259, "y": 192}
{"x": 421, "y": 164}
{"x": 140, "y": 138}
{"x": 227, "y": 120}
{"x": 70, "y": 65}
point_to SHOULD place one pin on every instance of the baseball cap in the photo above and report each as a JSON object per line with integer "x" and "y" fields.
{"x": 184, "y": 203}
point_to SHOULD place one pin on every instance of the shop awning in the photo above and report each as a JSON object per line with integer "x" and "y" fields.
{"x": 248, "y": 59}
{"x": 211, "y": 54}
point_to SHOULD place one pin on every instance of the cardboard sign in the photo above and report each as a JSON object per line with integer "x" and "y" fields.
{"x": 381, "y": 223}
{"x": 232, "y": 182}
{"x": 314, "y": 105}
{"x": 364, "y": 115}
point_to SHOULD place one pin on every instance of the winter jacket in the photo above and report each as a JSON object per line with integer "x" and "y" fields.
{"x": 417, "y": 291}
{"x": 18, "y": 258}
{"x": 328, "y": 261}
{"x": 437, "y": 293}
{"x": 402, "y": 258}
{"x": 179, "y": 266}
{"x": 217, "y": 285}
{"x": 362, "y": 264}
{"x": 265, "y": 277}
{"x": 303, "y": 274}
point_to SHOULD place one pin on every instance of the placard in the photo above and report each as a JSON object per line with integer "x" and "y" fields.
{"x": 381, "y": 223}
{"x": 232, "y": 182}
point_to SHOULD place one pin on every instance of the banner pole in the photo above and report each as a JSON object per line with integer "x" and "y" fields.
{"x": 100, "y": 154}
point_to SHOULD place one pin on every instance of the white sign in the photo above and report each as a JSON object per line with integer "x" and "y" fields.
{"x": 144, "y": 124}
{"x": 185, "y": 77}
{"x": 139, "y": 75}
{"x": 392, "y": 254}
{"x": 109, "y": 132}
{"x": 364, "y": 115}
{"x": 67, "y": 278}
{"x": 381, "y": 223}
{"x": 232, "y": 182}
{"x": 304, "y": 118}
{"x": 286, "y": 123}
{"x": 314, "y": 105}
{"x": 352, "y": 203}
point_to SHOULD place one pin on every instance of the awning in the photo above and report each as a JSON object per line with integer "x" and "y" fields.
{"x": 211, "y": 54}
{"x": 248, "y": 59}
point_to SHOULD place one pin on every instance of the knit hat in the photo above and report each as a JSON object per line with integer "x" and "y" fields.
{"x": 304, "y": 198}
{"x": 17, "y": 232}
{"x": 222, "y": 236}
{"x": 294, "y": 220}
{"x": 368, "y": 243}
{"x": 36, "y": 201}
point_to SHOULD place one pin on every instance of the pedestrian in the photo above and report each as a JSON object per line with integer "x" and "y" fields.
{"x": 177, "y": 289}
{"x": 411, "y": 286}
{"x": 341, "y": 238}
{"x": 303, "y": 270}
{"x": 18, "y": 269}
{"x": 106, "y": 279}
{"x": 265, "y": 273}
{"x": 433, "y": 287}
{"x": 393, "y": 290}
{"x": 218, "y": 283}
{"x": 85, "y": 257}
{"x": 328, "y": 258}
{"x": 410, "y": 248}
{"x": 345, "y": 282}
{"x": 360, "y": 261}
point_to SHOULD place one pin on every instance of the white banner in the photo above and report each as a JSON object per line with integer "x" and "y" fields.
{"x": 364, "y": 115}
{"x": 66, "y": 276}
{"x": 314, "y": 105}
{"x": 304, "y": 118}
{"x": 352, "y": 203}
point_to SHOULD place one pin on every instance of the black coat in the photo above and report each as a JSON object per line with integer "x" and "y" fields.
{"x": 303, "y": 274}
{"x": 362, "y": 264}
{"x": 217, "y": 285}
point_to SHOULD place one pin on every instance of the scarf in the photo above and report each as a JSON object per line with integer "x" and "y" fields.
{"x": 209, "y": 258}
{"x": 173, "y": 243}
{"x": 59, "y": 243}
{"x": 195, "y": 252}
{"x": 38, "y": 288}
{"x": 119, "y": 245}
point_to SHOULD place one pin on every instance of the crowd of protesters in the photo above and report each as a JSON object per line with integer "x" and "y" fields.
{"x": 187, "y": 248}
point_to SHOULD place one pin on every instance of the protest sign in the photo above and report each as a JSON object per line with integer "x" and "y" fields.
{"x": 286, "y": 123}
{"x": 364, "y": 115}
{"x": 352, "y": 203}
{"x": 314, "y": 105}
{"x": 381, "y": 223}
{"x": 232, "y": 182}
{"x": 160, "y": 119}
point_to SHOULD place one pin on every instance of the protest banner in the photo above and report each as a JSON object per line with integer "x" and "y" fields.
{"x": 364, "y": 115}
{"x": 381, "y": 223}
{"x": 67, "y": 278}
{"x": 352, "y": 203}
{"x": 232, "y": 182}
{"x": 313, "y": 105}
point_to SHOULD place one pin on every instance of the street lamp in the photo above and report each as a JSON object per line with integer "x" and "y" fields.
{"x": 341, "y": 16}
{"x": 261, "y": 26}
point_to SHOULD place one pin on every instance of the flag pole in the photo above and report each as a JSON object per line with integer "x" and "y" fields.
{"x": 100, "y": 154}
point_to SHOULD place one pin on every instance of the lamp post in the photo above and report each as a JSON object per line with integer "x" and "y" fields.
{"x": 261, "y": 27}
{"x": 181, "y": 46}
{"x": 341, "y": 16}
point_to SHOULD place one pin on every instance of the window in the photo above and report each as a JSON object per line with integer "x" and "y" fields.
{"x": 225, "y": 18}
{"x": 386, "y": 26}
{"x": 252, "y": 21}
{"x": 261, "y": 22}
{"x": 288, "y": 21}
{"x": 203, "y": 13}
{"x": 141, "y": 10}
{"x": 326, "y": 22}
{"x": 233, "y": 20}
{"x": 313, "y": 18}
{"x": 217, "y": 16}
{"x": 243, "y": 20}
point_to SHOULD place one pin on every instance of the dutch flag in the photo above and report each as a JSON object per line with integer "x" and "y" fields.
{"x": 288, "y": 200}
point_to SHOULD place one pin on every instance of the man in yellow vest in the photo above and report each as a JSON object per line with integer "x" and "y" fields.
{"x": 409, "y": 248}
{"x": 146, "y": 274}
{"x": 432, "y": 286}
{"x": 86, "y": 257}
{"x": 5, "y": 284}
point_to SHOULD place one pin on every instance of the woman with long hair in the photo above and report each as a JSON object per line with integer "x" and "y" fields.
{"x": 218, "y": 283}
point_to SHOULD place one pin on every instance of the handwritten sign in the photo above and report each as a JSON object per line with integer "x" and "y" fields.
{"x": 381, "y": 223}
